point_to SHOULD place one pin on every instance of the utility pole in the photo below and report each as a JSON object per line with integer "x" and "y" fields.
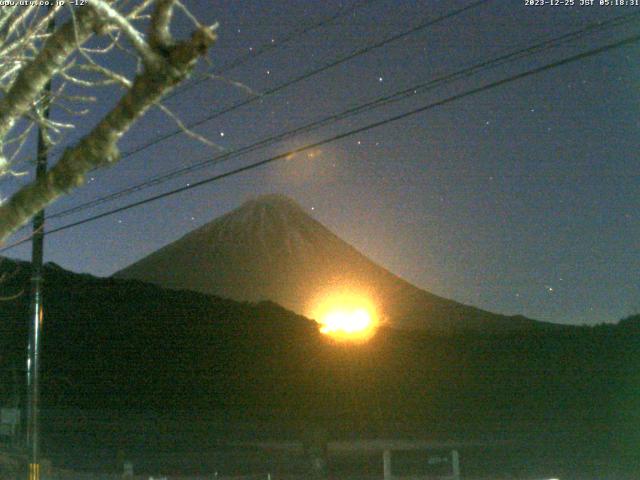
{"x": 36, "y": 316}
{"x": 36, "y": 311}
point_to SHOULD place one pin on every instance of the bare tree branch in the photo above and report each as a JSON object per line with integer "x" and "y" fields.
{"x": 111, "y": 15}
{"x": 186, "y": 130}
{"x": 32, "y": 79}
{"x": 160, "y": 36}
{"x": 165, "y": 64}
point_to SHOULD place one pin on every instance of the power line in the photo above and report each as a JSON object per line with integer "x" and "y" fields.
{"x": 381, "y": 101}
{"x": 357, "y": 53}
{"x": 265, "y": 48}
{"x": 395, "y": 118}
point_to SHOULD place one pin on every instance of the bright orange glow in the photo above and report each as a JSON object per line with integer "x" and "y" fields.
{"x": 346, "y": 317}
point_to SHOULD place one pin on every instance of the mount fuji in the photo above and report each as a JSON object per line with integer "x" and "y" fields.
{"x": 271, "y": 249}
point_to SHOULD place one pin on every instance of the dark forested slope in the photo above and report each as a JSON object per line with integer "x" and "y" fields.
{"x": 123, "y": 346}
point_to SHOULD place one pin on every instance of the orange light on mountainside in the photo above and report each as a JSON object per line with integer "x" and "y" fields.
{"x": 348, "y": 317}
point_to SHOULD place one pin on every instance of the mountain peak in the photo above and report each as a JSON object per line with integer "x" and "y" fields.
{"x": 270, "y": 207}
{"x": 270, "y": 248}
{"x": 276, "y": 200}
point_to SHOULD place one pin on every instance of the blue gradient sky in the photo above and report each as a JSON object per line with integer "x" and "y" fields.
{"x": 522, "y": 199}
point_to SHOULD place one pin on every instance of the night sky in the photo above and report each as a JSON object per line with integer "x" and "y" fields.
{"x": 521, "y": 199}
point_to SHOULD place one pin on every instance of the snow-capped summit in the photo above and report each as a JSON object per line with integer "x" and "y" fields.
{"x": 271, "y": 249}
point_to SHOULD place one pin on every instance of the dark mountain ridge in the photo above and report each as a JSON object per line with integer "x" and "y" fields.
{"x": 271, "y": 249}
{"x": 207, "y": 368}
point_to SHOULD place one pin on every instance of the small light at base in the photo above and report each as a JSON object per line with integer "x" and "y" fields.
{"x": 346, "y": 317}
{"x": 348, "y": 322}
